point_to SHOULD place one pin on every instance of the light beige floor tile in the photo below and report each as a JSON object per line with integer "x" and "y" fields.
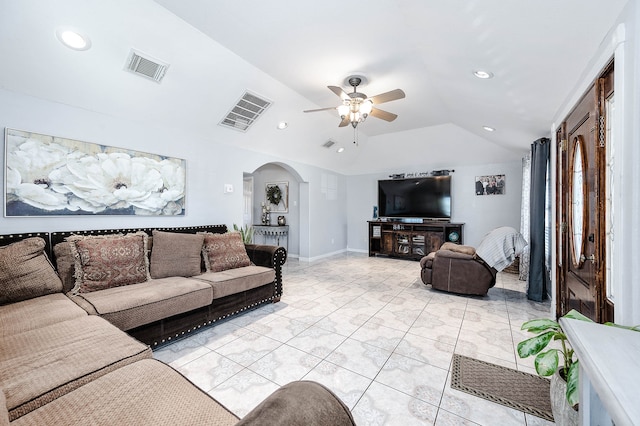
{"x": 346, "y": 384}
{"x": 384, "y": 406}
{"x": 378, "y": 335}
{"x": 244, "y": 391}
{"x": 209, "y": 370}
{"x": 381, "y": 306}
{"x": 248, "y": 348}
{"x": 426, "y": 350}
{"x": 359, "y": 357}
{"x": 285, "y": 364}
{"x": 279, "y": 328}
{"x": 415, "y": 378}
{"x": 446, "y": 418}
{"x": 176, "y": 354}
{"x": 316, "y": 341}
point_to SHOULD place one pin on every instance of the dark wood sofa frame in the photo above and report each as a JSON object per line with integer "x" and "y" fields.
{"x": 169, "y": 329}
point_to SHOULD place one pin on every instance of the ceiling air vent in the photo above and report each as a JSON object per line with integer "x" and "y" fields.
{"x": 245, "y": 112}
{"x": 328, "y": 144}
{"x": 145, "y": 66}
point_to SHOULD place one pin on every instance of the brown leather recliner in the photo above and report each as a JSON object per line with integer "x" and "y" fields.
{"x": 457, "y": 269}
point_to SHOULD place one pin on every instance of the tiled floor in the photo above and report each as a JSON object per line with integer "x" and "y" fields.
{"x": 372, "y": 332}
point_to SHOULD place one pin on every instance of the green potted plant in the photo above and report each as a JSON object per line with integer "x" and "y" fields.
{"x": 246, "y": 233}
{"x": 564, "y": 378}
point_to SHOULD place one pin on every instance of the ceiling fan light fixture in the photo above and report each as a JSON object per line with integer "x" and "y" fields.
{"x": 365, "y": 107}
{"x": 343, "y": 110}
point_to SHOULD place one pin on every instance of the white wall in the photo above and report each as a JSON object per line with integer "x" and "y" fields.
{"x": 210, "y": 165}
{"x": 480, "y": 214}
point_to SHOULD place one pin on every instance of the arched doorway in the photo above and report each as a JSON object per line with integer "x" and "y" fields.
{"x": 294, "y": 209}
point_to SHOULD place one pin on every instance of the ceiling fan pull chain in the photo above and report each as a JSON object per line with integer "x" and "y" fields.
{"x": 355, "y": 136}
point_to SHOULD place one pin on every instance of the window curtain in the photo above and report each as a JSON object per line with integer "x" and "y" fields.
{"x": 538, "y": 284}
{"x": 523, "y": 273}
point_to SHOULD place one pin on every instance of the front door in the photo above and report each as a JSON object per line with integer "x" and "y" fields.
{"x": 581, "y": 205}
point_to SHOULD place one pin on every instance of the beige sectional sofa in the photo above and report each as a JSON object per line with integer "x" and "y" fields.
{"x": 63, "y": 362}
{"x": 180, "y": 294}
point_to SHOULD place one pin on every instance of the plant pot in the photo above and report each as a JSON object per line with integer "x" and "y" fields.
{"x": 563, "y": 413}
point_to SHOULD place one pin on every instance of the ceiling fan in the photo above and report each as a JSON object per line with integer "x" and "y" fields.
{"x": 356, "y": 107}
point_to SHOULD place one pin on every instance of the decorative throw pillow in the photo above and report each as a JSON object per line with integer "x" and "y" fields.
{"x": 224, "y": 251}
{"x": 26, "y": 272}
{"x": 176, "y": 255}
{"x": 105, "y": 261}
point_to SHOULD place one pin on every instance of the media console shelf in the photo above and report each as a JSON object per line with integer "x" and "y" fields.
{"x": 411, "y": 240}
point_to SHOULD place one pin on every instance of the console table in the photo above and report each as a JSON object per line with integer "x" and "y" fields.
{"x": 274, "y": 233}
{"x": 609, "y": 375}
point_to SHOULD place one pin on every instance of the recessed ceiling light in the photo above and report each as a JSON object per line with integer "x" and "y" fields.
{"x": 283, "y": 125}
{"x": 73, "y": 39}
{"x": 339, "y": 150}
{"x": 488, "y": 128}
{"x": 483, "y": 74}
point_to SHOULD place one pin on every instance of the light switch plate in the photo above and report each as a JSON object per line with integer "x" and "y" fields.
{"x": 228, "y": 188}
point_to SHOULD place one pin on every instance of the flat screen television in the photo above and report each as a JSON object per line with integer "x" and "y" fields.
{"x": 425, "y": 197}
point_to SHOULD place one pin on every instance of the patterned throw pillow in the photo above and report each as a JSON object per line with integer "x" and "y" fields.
{"x": 25, "y": 271}
{"x": 105, "y": 261}
{"x": 224, "y": 251}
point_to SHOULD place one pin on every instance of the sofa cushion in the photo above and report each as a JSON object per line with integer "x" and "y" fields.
{"x": 237, "y": 280}
{"x": 146, "y": 392}
{"x": 40, "y": 365}
{"x": 25, "y": 271}
{"x": 224, "y": 251}
{"x": 4, "y": 413}
{"x": 37, "y": 312}
{"x": 105, "y": 261}
{"x": 175, "y": 254}
{"x": 65, "y": 265}
{"x": 138, "y": 304}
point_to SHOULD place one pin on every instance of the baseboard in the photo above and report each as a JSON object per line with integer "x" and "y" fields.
{"x": 322, "y": 256}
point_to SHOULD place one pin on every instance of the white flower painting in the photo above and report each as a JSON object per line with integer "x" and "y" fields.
{"x": 47, "y": 175}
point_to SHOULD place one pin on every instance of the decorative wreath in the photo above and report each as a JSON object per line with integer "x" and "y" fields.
{"x": 274, "y": 194}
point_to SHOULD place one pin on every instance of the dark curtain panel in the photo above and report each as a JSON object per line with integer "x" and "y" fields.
{"x": 538, "y": 273}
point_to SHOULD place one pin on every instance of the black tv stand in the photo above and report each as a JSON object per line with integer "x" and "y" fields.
{"x": 411, "y": 240}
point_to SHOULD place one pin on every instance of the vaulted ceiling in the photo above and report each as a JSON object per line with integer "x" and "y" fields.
{"x": 290, "y": 51}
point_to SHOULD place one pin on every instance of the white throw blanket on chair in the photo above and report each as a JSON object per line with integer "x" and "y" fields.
{"x": 500, "y": 247}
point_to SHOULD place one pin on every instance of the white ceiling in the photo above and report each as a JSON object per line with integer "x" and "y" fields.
{"x": 289, "y": 51}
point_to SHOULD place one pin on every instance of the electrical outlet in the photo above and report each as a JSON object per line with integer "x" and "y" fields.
{"x": 228, "y": 188}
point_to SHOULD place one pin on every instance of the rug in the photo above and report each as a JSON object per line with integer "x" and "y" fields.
{"x": 515, "y": 389}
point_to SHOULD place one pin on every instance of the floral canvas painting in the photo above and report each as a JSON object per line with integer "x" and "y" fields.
{"x": 47, "y": 175}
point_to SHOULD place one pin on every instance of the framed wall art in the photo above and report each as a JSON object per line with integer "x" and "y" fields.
{"x": 490, "y": 185}
{"x": 53, "y": 176}
{"x": 277, "y": 195}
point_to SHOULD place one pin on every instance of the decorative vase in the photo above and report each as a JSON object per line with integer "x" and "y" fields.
{"x": 282, "y": 220}
{"x": 563, "y": 413}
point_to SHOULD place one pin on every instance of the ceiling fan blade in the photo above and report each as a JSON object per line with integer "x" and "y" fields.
{"x": 387, "y": 97}
{"x": 345, "y": 122}
{"x": 338, "y": 91}
{"x": 384, "y": 115}
{"x": 319, "y": 109}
